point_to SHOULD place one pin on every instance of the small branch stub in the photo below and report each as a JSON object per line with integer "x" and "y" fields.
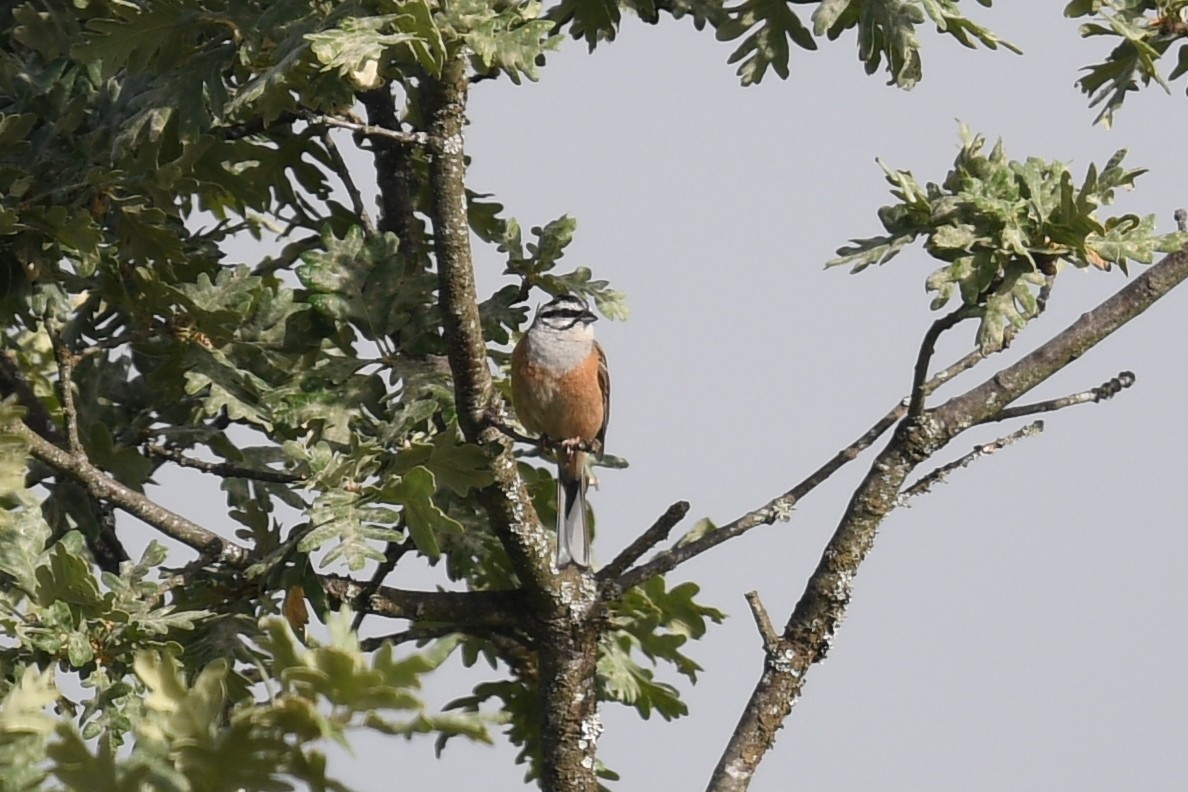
{"x": 771, "y": 639}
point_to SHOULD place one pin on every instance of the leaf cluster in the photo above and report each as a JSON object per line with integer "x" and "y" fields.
{"x": 194, "y": 732}
{"x": 887, "y": 31}
{"x": 1145, "y": 30}
{"x": 1002, "y": 226}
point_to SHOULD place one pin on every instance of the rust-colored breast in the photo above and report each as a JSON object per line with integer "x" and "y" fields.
{"x": 562, "y": 406}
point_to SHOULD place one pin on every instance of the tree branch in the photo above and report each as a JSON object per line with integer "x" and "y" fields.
{"x": 372, "y": 130}
{"x": 924, "y": 485}
{"x": 810, "y": 629}
{"x": 924, "y": 357}
{"x": 344, "y": 174}
{"x": 646, "y": 541}
{"x": 463, "y": 609}
{"x": 780, "y": 507}
{"x": 1106, "y": 390}
{"x": 104, "y": 544}
{"x": 223, "y": 469}
{"x": 66, "y": 361}
{"x": 102, "y": 486}
{"x": 565, "y": 603}
{"x": 392, "y": 555}
{"x": 506, "y": 500}
{"x": 771, "y": 639}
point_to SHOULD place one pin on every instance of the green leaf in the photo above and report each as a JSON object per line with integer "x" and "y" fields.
{"x": 23, "y": 536}
{"x": 992, "y": 219}
{"x": 23, "y": 709}
{"x": 359, "y": 47}
{"x": 354, "y": 523}
{"x": 456, "y": 465}
{"x": 414, "y": 491}
{"x": 65, "y": 577}
{"x": 589, "y": 20}
{"x": 364, "y": 282}
{"x": 1133, "y": 62}
{"x": 772, "y": 24}
{"x": 507, "y": 38}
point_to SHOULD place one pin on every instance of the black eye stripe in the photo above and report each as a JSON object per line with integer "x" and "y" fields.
{"x": 565, "y": 313}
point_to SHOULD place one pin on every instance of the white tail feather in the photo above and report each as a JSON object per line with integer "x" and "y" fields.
{"x": 573, "y": 535}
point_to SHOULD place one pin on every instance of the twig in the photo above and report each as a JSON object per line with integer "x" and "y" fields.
{"x": 545, "y": 443}
{"x": 344, "y": 173}
{"x": 779, "y": 507}
{"x": 224, "y": 469}
{"x": 924, "y": 357}
{"x": 771, "y": 639}
{"x": 102, "y": 486}
{"x": 1106, "y": 390}
{"x": 405, "y": 636}
{"x": 465, "y": 610}
{"x": 775, "y": 509}
{"x": 937, "y": 476}
{"x": 1181, "y": 221}
{"x": 370, "y": 130}
{"x": 104, "y": 545}
{"x": 255, "y": 126}
{"x": 392, "y": 555}
{"x": 395, "y": 176}
{"x": 646, "y": 541}
{"x": 66, "y": 360}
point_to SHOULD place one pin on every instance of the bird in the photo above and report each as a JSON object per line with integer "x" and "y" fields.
{"x": 561, "y": 391}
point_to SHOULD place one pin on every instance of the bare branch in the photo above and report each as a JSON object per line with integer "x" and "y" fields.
{"x": 565, "y": 602}
{"x": 371, "y": 130}
{"x": 927, "y": 349}
{"x": 811, "y": 627}
{"x": 506, "y": 500}
{"x": 925, "y": 484}
{"x": 65, "y": 387}
{"x": 102, "y": 486}
{"x": 344, "y": 174}
{"x": 780, "y": 507}
{"x": 464, "y": 610}
{"x": 646, "y": 541}
{"x": 224, "y": 469}
{"x": 392, "y": 555}
{"x": 407, "y": 636}
{"x": 771, "y": 639}
{"x": 542, "y": 443}
{"x": 1106, "y": 390}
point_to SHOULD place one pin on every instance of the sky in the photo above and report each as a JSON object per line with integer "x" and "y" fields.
{"x": 1023, "y": 626}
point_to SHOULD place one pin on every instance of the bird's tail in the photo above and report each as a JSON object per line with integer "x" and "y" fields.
{"x": 573, "y": 534}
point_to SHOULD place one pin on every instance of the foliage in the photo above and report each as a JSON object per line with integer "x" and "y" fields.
{"x": 138, "y": 143}
{"x": 1146, "y": 30}
{"x": 142, "y": 146}
{"x": 886, "y": 29}
{"x": 1002, "y": 226}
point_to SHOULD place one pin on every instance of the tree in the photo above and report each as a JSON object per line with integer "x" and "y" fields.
{"x": 342, "y": 384}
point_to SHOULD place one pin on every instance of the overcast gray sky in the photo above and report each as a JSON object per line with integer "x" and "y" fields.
{"x": 1023, "y": 626}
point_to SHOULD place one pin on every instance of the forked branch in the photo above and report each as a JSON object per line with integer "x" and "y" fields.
{"x": 812, "y": 624}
